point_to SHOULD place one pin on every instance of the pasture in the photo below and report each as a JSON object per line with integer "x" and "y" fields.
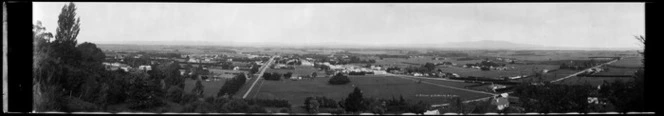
{"x": 518, "y": 69}
{"x": 628, "y": 62}
{"x": 618, "y": 71}
{"x": 549, "y": 76}
{"x": 594, "y": 81}
{"x": 210, "y": 88}
{"x": 371, "y": 86}
{"x": 299, "y": 71}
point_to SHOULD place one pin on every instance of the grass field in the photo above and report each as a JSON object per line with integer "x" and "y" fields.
{"x": 518, "y": 70}
{"x": 628, "y": 62}
{"x": 210, "y": 88}
{"x": 550, "y": 76}
{"x": 618, "y": 71}
{"x": 593, "y": 80}
{"x": 299, "y": 70}
{"x": 371, "y": 85}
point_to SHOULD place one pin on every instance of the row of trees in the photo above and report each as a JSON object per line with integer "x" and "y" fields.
{"x": 273, "y": 76}
{"x": 356, "y": 102}
{"x": 230, "y": 87}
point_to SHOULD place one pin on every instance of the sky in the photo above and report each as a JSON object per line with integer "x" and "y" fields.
{"x": 599, "y": 25}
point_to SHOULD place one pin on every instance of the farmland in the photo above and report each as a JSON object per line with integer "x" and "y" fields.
{"x": 550, "y": 76}
{"x": 210, "y": 87}
{"x": 371, "y": 85}
{"x": 516, "y": 71}
{"x": 617, "y": 71}
{"x": 299, "y": 70}
{"x": 628, "y": 62}
{"x": 594, "y": 81}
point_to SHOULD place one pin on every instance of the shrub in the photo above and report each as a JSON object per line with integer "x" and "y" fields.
{"x": 339, "y": 79}
{"x": 175, "y": 94}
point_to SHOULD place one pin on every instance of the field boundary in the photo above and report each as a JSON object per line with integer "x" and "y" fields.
{"x": 462, "y": 89}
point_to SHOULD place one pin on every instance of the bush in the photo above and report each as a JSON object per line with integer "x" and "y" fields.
{"x": 269, "y": 102}
{"x": 232, "y": 86}
{"x": 175, "y": 94}
{"x": 339, "y": 79}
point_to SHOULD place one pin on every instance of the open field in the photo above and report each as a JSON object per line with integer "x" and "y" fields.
{"x": 210, "y": 88}
{"x": 634, "y": 62}
{"x": 371, "y": 85}
{"x": 618, "y": 71}
{"x": 594, "y": 81}
{"x": 299, "y": 70}
{"x": 550, "y": 76}
{"x": 518, "y": 70}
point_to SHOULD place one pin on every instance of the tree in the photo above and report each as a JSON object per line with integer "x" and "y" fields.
{"x": 354, "y": 101}
{"x": 175, "y": 94}
{"x": 66, "y": 33}
{"x": 90, "y": 52}
{"x": 429, "y": 66}
{"x": 198, "y": 89}
{"x": 314, "y": 74}
{"x": 339, "y": 79}
{"x": 288, "y": 75}
{"x": 254, "y": 69}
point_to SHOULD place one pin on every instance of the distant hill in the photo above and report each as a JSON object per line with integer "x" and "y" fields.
{"x": 488, "y": 44}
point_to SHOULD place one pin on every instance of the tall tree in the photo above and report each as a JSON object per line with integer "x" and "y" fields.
{"x": 354, "y": 102}
{"x": 198, "y": 89}
{"x": 66, "y": 33}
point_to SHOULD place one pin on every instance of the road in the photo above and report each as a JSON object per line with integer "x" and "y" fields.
{"x": 441, "y": 79}
{"x": 257, "y": 78}
{"x": 577, "y": 73}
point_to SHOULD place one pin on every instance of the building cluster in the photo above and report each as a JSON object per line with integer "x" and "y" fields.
{"x": 119, "y": 66}
{"x": 487, "y": 65}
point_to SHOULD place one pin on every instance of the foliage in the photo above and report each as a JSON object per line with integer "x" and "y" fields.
{"x": 339, "y": 79}
{"x": 144, "y": 94}
{"x": 554, "y": 97}
{"x": 288, "y": 74}
{"x": 175, "y": 94}
{"x": 354, "y": 101}
{"x": 269, "y": 102}
{"x": 232, "y": 86}
{"x": 198, "y": 89}
{"x": 272, "y": 76}
{"x": 320, "y": 102}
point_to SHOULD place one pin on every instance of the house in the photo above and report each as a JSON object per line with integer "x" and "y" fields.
{"x": 193, "y": 60}
{"x": 417, "y": 74}
{"x": 493, "y": 87}
{"x": 182, "y": 71}
{"x": 515, "y": 77}
{"x": 126, "y": 68}
{"x": 236, "y": 68}
{"x": 501, "y": 102}
{"x": 296, "y": 78}
{"x": 306, "y": 63}
{"x": 432, "y": 112}
{"x": 145, "y": 67}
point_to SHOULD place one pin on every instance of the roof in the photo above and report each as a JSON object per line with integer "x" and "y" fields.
{"x": 502, "y": 101}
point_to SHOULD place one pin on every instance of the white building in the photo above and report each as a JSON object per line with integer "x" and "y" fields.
{"x": 306, "y": 63}
{"x": 145, "y": 67}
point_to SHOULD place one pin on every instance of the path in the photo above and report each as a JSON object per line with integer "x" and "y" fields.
{"x": 257, "y": 78}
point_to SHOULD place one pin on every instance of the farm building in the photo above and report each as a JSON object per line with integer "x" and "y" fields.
{"x": 145, "y": 67}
